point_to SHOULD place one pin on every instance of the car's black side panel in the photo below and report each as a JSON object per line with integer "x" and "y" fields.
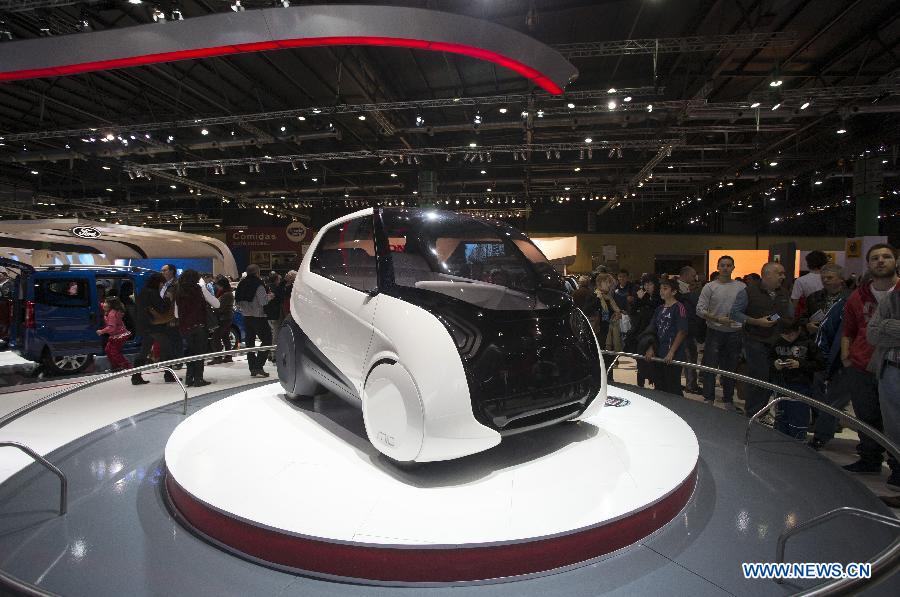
{"x": 525, "y": 369}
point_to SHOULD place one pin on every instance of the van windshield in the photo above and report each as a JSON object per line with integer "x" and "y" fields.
{"x": 495, "y": 267}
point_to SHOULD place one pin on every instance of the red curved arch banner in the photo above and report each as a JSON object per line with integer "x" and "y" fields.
{"x": 283, "y": 28}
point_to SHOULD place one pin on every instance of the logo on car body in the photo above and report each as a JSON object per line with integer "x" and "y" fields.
{"x": 85, "y": 232}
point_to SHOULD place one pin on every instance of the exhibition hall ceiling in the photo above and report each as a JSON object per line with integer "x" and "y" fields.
{"x": 688, "y": 115}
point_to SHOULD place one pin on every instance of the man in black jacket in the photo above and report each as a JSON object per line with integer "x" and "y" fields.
{"x": 759, "y": 308}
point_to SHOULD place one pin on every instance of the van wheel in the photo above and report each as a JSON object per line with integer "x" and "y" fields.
{"x": 66, "y": 364}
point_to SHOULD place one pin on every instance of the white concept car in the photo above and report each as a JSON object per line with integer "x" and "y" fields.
{"x": 449, "y": 331}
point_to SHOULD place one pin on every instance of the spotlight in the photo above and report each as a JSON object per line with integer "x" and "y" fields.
{"x": 754, "y": 105}
{"x": 611, "y": 90}
{"x": 804, "y": 106}
{"x": 420, "y": 121}
{"x": 618, "y": 152}
{"x": 626, "y": 99}
{"x": 383, "y": 161}
{"x": 611, "y": 105}
{"x": 548, "y": 154}
{"x": 649, "y": 107}
{"x": 776, "y": 106}
{"x": 489, "y": 157}
{"x": 305, "y": 167}
{"x": 775, "y": 83}
{"x": 294, "y": 166}
{"x": 236, "y": 7}
{"x": 477, "y": 120}
{"x": 570, "y": 106}
{"x": 502, "y": 110}
{"x": 588, "y": 140}
{"x": 362, "y": 116}
{"x": 841, "y": 131}
{"x": 540, "y": 113}
{"x": 612, "y": 152}
{"x": 557, "y": 154}
{"x": 204, "y": 132}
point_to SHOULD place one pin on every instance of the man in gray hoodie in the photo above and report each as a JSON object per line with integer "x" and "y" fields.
{"x": 883, "y": 333}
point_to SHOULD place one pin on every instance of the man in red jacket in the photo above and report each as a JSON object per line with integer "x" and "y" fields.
{"x": 856, "y": 352}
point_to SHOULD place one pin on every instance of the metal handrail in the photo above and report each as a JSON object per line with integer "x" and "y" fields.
{"x": 822, "y": 518}
{"x": 888, "y": 560}
{"x": 25, "y": 588}
{"x": 36, "y": 404}
{"x": 63, "y": 481}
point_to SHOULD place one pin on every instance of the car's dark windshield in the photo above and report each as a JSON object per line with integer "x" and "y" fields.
{"x": 464, "y": 257}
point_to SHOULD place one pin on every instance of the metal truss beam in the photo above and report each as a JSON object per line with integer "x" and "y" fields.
{"x": 408, "y": 154}
{"x": 670, "y": 45}
{"x": 521, "y": 98}
{"x": 25, "y": 5}
{"x": 145, "y": 170}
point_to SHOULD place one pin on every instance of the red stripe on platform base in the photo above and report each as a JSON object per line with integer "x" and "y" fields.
{"x": 417, "y": 44}
{"x": 423, "y": 564}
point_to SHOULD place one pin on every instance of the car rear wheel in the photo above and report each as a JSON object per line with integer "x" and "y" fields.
{"x": 290, "y": 361}
{"x": 66, "y": 364}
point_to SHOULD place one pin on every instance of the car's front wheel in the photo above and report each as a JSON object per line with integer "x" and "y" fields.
{"x": 393, "y": 412}
{"x": 66, "y": 364}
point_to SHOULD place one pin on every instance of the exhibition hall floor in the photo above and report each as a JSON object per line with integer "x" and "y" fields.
{"x": 120, "y": 536}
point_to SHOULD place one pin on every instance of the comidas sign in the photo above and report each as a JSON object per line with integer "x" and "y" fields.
{"x": 296, "y": 232}
{"x": 85, "y": 232}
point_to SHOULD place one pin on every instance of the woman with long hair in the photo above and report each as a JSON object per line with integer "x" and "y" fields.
{"x": 149, "y": 306}
{"x": 221, "y": 339}
{"x": 191, "y": 300}
{"x": 644, "y": 308}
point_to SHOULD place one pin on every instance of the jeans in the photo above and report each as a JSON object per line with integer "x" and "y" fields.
{"x": 257, "y": 327}
{"x": 175, "y": 342}
{"x": 834, "y": 396}
{"x": 863, "y": 389}
{"x": 889, "y": 398}
{"x": 721, "y": 350}
{"x": 756, "y": 354}
{"x": 196, "y": 344}
{"x": 667, "y": 378}
{"x": 690, "y": 374}
{"x": 792, "y": 417}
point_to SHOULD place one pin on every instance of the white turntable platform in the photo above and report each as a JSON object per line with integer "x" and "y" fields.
{"x": 294, "y": 486}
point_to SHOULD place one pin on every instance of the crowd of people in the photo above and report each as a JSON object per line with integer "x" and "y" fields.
{"x": 832, "y": 337}
{"x": 192, "y": 314}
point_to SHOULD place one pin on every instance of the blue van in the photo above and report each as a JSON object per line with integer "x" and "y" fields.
{"x": 54, "y": 312}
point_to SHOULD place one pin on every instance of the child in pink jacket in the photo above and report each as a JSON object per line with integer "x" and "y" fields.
{"x": 114, "y": 318}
